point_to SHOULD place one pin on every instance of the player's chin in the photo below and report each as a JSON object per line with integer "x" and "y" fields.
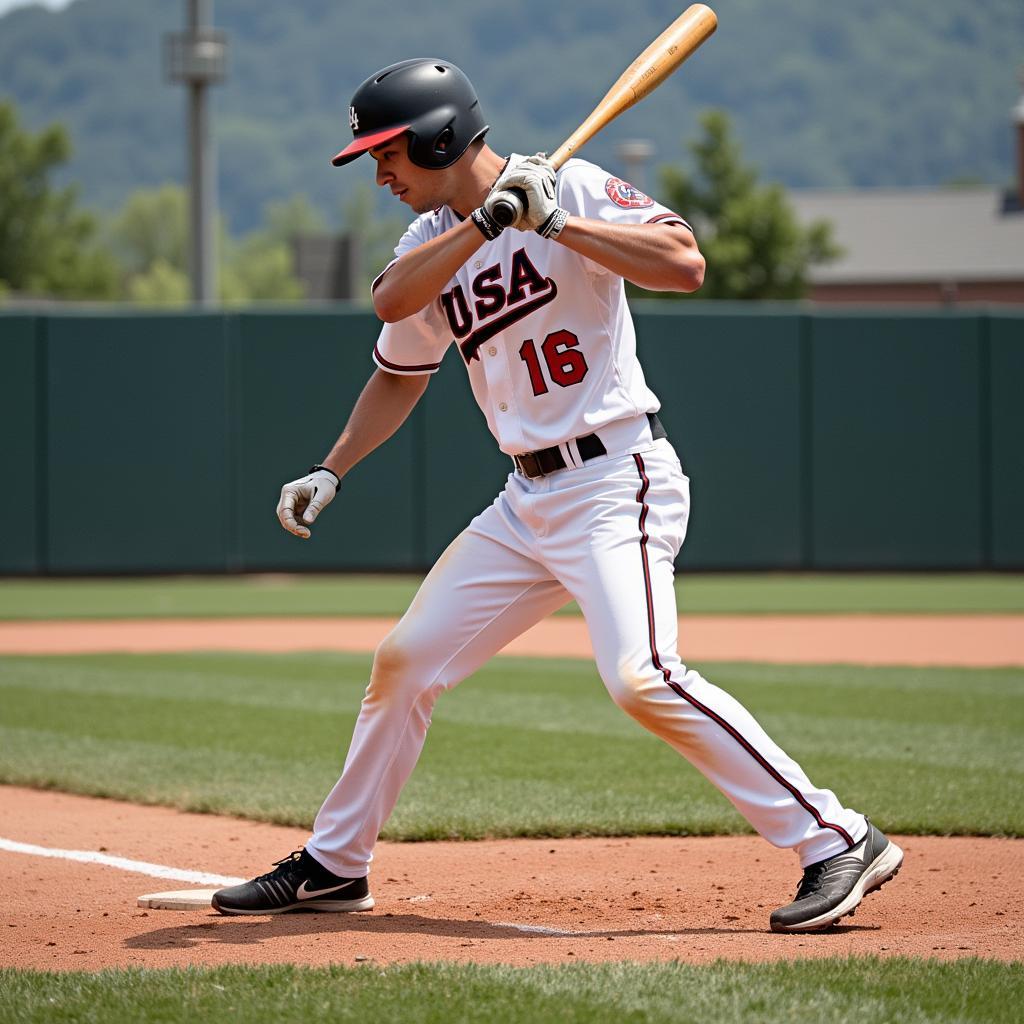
{"x": 417, "y": 205}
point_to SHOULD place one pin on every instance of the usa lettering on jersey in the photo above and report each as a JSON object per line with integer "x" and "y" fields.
{"x": 526, "y": 292}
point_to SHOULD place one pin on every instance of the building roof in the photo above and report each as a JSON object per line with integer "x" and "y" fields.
{"x": 916, "y": 234}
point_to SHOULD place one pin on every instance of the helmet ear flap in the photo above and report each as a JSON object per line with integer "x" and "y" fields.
{"x": 443, "y": 141}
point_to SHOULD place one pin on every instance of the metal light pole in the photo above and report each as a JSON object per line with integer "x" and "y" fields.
{"x": 1018, "y": 118}
{"x": 198, "y": 57}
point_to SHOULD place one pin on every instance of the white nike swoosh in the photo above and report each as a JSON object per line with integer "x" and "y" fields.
{"x": 303, "y": 893}
{"x": 852, "y": 858}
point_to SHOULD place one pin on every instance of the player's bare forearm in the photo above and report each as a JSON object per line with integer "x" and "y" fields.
{"x": 659, "y": 257}
{"x": 421, "y": 275}
{"x": 382, "y": 407}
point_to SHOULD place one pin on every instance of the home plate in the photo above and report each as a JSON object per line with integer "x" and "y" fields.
{"x": 180, "y": 899}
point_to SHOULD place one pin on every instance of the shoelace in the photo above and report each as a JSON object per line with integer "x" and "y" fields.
{"x": 283, "y": 866}
{"x": 811, "y": 882}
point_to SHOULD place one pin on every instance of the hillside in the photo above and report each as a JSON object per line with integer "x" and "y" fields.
{"x": 822, "y": 94}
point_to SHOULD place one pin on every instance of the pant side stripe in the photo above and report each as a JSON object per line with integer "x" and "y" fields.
{"x": 677, "y": 689}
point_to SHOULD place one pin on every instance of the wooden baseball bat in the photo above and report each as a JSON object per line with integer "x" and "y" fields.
{"x": 643, "y": 76}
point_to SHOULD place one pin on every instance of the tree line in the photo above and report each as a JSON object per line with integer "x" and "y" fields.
{"x": 50, "y": 247}
{"x": 823, "y": 94}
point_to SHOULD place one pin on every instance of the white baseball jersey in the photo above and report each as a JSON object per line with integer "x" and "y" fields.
{"x": 545, "y": 333}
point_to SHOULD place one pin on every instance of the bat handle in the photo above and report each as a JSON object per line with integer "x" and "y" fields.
{"x": 508, "y": 206}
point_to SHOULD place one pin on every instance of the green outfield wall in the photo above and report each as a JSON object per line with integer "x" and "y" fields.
{"x": 814, "y": 439}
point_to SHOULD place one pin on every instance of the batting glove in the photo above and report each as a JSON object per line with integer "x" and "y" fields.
{"x": 535, "y": 178}
{"x": 306, "y": 497}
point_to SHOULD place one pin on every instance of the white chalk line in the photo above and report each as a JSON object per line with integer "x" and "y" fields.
{"x": 141, "y": 867}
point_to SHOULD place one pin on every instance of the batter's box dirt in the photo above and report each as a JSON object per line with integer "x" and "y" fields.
{"x": 519, "y": 902}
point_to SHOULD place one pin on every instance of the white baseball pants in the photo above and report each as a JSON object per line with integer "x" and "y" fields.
{"x": 606, "y": 534}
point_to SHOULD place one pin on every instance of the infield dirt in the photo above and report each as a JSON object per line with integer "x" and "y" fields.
{"x": 955, "y": 640}
{"x": 693, "y": 899}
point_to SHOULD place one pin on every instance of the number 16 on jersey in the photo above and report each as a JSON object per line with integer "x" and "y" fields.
{"x": 566, "y": 365}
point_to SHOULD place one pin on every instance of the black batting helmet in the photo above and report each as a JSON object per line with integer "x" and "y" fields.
{"x": 430, "y": 99}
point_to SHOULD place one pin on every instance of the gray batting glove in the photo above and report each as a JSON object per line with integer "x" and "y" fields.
{"x": 535, "y": 178}
{"x": 306, "y": 498}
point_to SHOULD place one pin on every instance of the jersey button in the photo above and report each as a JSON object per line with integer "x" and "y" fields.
{"x": 492, "y": 351}
{"x": 503, "y": 407}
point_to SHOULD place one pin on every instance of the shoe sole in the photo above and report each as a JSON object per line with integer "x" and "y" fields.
{"x": 884, "y": 867}
{"x": 325, "y": 906}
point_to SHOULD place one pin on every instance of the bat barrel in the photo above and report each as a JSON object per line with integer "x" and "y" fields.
{"x": 644, "y": 75}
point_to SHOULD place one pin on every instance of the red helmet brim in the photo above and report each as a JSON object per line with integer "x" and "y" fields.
{"x": 362, "y": 143}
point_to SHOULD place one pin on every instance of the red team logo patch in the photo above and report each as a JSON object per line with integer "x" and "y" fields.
{"x": 623, "y": 194}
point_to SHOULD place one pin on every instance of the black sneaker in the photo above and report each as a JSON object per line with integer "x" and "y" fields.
{"x": 297, "y": 883}
{"x": 833, "y": 888}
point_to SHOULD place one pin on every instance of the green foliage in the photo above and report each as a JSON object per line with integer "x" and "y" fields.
{"x": 149, "y": 235}
{"x": 261, "y": 265}
{"x": 376, "y": 237}
{"x": 839, "y": 990}
{"x": 259, "y": 269}
{"x": 526, "y": 747}
{"x": 159, "y": 284}
{"x": 282, "y": 221}
{"x": 47, "y": 245}
{"x": 151, "y": 229}
{"x": 754, "y": 245}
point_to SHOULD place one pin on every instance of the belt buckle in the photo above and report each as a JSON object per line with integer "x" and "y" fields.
{"x": 529, "y": 465}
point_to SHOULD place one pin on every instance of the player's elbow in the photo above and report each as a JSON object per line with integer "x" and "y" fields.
{"x": 683, "y": 264}
{"x": 393, "y": 302}
{"x": 685, "y": 274}
{"x": 387, "y": 304}
{"x": 691, "y": 273}
{"x": 390, "y": 298}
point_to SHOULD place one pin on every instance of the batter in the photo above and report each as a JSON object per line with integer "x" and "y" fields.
{"x": 595, "y": 508}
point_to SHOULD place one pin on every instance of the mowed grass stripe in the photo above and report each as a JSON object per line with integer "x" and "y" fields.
{"x": 367, "y": 595}
{"x": 526, "y": 747}
{"x": 846, "y": 991}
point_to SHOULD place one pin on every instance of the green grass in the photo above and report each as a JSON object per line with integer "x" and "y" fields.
{"x": 526, "y": 747}
{"x": 733, "y": 593}
{"x": 840, "y": 991}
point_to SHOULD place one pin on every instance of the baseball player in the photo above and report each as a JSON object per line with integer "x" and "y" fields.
{"x": 594, "y": 509}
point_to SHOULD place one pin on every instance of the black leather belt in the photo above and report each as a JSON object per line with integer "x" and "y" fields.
{"x": 590, "y": 446}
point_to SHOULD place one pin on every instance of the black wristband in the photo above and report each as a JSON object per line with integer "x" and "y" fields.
{"x": 552, "y": 227}
{"x": 316, "y": 468}
{"x": 488, "y": 226}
